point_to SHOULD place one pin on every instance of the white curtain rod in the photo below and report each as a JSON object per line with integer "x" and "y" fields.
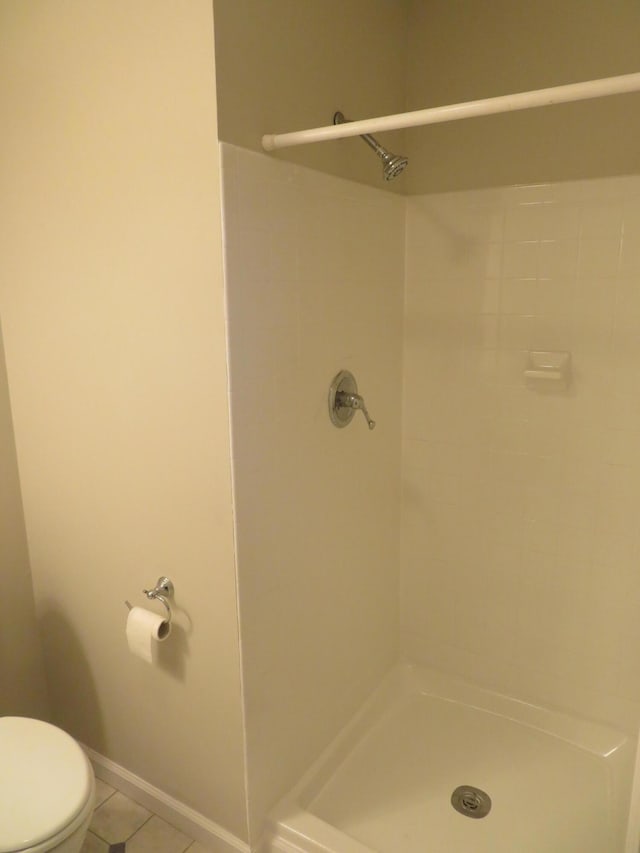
{"x": 453, "y": 112}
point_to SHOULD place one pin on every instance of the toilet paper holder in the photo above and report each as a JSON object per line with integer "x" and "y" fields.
{"x": 162, "y": 591}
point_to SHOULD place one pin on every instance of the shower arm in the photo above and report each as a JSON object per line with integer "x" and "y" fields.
{"x": 392, "y": 164}
{"x": 372, "y": 143}
{"x": 338, "y": 118}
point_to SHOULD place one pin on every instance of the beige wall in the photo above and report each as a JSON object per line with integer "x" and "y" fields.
{"x": 112, "y": 302}
{"x": 22, "y": 685}
{"x": 288, "y": 65}
{"x": 285, "y": 65}
{"x": 459, "y": 50}
{"x": 520, "y": 535}
{"x": 314, "y": 268}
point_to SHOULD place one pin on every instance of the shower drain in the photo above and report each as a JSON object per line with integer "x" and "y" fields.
{"x": 471, "y": 802}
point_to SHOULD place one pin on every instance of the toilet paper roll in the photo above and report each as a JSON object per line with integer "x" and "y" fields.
{"x": 144, "y": 630}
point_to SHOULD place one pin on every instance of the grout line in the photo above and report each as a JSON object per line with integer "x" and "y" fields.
{"x": 142, "y": 825}
{"x": 106, "y": 799}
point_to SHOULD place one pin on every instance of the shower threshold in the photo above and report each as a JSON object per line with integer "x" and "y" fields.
{"x": 387, "y": 784}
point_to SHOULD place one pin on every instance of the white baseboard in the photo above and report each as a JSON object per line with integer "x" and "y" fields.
{"x": 210, "y": 834}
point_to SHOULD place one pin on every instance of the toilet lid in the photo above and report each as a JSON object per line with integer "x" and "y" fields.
{"x": 45, "y": 781}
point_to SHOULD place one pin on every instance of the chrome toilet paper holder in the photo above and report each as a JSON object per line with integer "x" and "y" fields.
{"x": 162, "y": 591}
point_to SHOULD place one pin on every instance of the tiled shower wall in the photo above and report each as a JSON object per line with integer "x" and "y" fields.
{"x": 314, "y": 276}
{"x": 521, "y": 543}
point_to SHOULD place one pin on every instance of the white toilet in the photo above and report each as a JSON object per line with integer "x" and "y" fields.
{"x": 47, "y": 788}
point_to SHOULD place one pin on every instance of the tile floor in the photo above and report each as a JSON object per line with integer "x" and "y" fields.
{"x": 120, "y": 825}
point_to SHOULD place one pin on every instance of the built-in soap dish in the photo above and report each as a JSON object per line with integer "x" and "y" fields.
{"x": 548, "y": 371}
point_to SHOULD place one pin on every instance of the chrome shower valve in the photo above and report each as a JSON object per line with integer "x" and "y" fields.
{"x": 344, "y": 401}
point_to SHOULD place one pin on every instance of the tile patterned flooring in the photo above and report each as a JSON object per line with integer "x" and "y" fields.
{"x": 120, "y": 825}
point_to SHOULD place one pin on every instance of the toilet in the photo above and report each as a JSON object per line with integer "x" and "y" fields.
{"x": 47, "y": 788}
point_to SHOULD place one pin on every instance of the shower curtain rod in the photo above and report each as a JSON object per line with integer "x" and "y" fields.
{"x": 453, "y": 112}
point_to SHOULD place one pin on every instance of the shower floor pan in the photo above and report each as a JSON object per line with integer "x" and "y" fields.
{"x": 557, "y": 784}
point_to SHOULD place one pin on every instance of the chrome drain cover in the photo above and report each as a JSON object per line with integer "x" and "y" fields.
{"x": 471, "y": 802}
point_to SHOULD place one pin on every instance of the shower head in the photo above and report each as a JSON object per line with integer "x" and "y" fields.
{"x": 392, "y": 164}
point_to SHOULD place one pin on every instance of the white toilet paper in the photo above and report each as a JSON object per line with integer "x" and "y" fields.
{"x": 144, "y": 630}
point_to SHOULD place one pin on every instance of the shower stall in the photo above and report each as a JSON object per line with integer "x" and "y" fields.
{"x": 439, "y": 616}
{"x": 514, "y": 493}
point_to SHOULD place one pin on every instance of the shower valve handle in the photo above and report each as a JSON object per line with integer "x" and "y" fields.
{"x": 348, "y": 400}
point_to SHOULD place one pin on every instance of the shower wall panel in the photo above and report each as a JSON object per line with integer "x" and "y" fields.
{"x": 520, "y": 541}
{"x": 314, "y": 272}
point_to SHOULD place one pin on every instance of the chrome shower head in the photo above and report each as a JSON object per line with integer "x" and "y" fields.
{"x": 392, "y": 164}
